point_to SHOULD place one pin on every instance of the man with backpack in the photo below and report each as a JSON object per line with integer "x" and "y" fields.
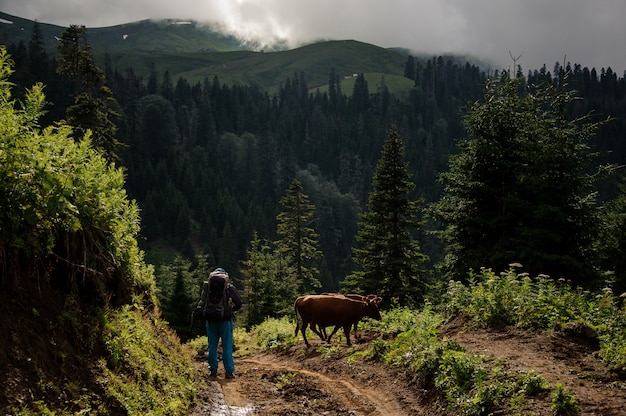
{"x": 218, "y": 301}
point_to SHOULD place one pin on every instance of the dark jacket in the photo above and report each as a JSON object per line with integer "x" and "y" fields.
{"x": 233, "y": 295}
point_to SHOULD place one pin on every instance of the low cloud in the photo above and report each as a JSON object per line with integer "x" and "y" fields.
{"x": 590, "y": 33}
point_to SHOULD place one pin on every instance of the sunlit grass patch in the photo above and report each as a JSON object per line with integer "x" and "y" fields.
{"x": 273, "y": 333}
{"x": 146, "y": 370}
{"x": 513, "y": 298}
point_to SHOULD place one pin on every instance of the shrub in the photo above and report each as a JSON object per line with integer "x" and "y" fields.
{"x": 563, "y": 403}
{"x": 64, "y": 207}
{"x": 273, "y": 333}
{"x": 530, "y": 383}
{"x": 541, "y": 303}
{"x": 612, "y": 335}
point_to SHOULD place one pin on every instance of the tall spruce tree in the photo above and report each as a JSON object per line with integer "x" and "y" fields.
{"x": 38, "y": 59}
{"x": 94, "y": 105}
{"x": 269, "y": 287}
{"x": 389, "y": 255}
{"x": 612, "y": 241}
{"x": 518, "y": 191}
{"x": 299, "y": 241}
{"x": 179, "y": 305}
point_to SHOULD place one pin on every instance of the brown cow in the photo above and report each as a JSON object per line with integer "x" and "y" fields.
{"x": 328, "y": 310}
{"x": 363, "y": 298}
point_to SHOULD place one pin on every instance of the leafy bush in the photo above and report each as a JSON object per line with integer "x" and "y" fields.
{"x": 199, "y": 344}
{"x": 63, "y": 204}
{"x": 274, "y": 333}
{"x": 563, "y": 402}
{"x": 530, "y": 383}
{"x": 401, "y": 319}
{"x": 541, "y": 303}
{"x": 611, "y": 329}
{"x": 515, "y": 299}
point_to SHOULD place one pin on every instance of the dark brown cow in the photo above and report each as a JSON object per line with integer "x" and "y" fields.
{"x": 363, "y": 298}
{"x": 331, "y": 310}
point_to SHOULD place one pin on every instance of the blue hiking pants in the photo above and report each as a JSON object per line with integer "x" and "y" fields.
{"x": 224, "y": 331}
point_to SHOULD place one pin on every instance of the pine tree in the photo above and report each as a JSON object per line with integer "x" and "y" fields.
{"x": 612, "y": 241}
{"x": 517, "y": 191}
{"x": 179, "y": 304}
{"x": 38, "y": 59}
{"x": 93, "y": 107}
{"x": 360, "y": 94}
{"x": 153, "y": 80}
{"x": 389, "y": 256}
{"x": 269, "y": 285}
{"x": 299, "y": 241}
{"x": 409, "y": 68}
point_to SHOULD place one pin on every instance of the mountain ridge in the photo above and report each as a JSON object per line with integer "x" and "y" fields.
{"x": 195, "y": 51}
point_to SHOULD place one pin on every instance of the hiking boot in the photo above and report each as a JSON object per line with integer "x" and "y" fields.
{"x": 230, "y": 375}
{"x": 213, "y": 374}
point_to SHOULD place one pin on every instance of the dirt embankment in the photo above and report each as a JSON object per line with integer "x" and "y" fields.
{"x": 304, "y": 382}
{"x": 560, "y": 358}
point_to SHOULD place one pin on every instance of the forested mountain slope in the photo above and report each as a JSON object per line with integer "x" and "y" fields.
{"x": 212, "y": 139}
{"x": 148, "y": 35}
{"x": 208, "y": 156}
{"x": 193, "y": 51}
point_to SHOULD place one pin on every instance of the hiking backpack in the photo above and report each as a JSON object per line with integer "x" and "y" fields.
{"x": 216, "y": 306}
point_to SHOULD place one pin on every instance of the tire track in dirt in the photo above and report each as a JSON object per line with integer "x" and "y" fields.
{"x": 359, "y": 399}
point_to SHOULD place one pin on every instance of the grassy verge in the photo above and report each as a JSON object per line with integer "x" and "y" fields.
{"x": 515, "y": 299}
{"x": 473, "y": 384}
{"x": 145, "y": 370}
{"x": 139, "y": 367}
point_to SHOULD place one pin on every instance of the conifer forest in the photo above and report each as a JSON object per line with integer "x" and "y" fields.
{"x": 210, "y": 163}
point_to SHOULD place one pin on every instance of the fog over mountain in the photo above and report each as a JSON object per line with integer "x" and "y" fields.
{"x": 540, "y": 32}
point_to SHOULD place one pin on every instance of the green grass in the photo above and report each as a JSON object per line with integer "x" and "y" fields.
{"x": 161, "y": 35}
{"x": 196, "y": 52}
{"x": 473, "y": 384}
{"x": 270, "y": 70}
{"x": 513, "y": 298}
{"x": 145, "y": 370}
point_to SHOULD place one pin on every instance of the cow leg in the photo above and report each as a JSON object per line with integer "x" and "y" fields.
{"x": 303, "y": 330}
{"x": 319, "y": 331}
{"x": 323, "y": 332}
{"x": 333, "y": 333}
{"x": 346, "y": 330}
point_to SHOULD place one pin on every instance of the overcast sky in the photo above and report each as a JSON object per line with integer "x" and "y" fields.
{"x": 589, "y": 32}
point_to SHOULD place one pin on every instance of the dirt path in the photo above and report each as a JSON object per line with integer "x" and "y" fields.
{"x": 313, "y": 390}
{"x": 304, "y": 382}
{"x": 301, "y": 382}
